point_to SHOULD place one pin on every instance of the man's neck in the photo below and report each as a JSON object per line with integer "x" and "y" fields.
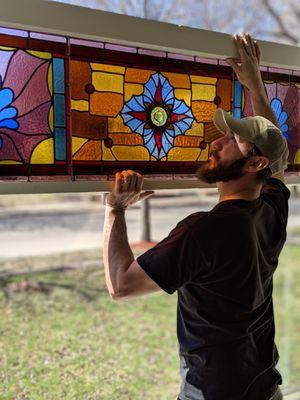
{"x": 239, "y": 189}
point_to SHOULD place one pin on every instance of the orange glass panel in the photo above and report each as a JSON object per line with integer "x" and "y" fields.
{"x": 136, "y": 75}
{"x": 91, "y": 151}
{"x": 88, "y": 126}
{"x": 106, "y": 104}
{"x": 203, "y": 110}
{"x": 187, "y": 141}
{"x": 211, "y": 132}
{"x": 224, "y": 89}
{"x": 81, "y": 74}
{"x": 181, "y": 81}
{"x": 128, "y": 139}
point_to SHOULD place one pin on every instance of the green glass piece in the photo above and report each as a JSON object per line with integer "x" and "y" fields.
{"x": 159, "y": 116}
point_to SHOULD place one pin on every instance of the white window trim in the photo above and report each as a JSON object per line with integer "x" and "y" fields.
{"x": 85, "y": 23}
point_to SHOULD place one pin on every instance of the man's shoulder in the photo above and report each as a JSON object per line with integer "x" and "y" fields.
{"x": 275, "y": 186}
{"x": 205, "y": 221}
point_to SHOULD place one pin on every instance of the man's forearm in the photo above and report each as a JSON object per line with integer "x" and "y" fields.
{"x": 117, "y": 254}
{"x": 260, "y": 102}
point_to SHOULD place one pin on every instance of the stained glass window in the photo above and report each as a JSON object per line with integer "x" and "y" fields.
{"x": 72, "y": 107}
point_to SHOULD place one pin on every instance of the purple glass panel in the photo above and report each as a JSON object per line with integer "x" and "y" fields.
{"x": 91, "y": 178}
{"x": 263, "y": 68}
{"x": 50, "y": 178}
{"x": 180, "y": 57}
{"x": 117, "y": 47}
{"x": 13, "y": 32}
{"x": 223, "y": 62}
{"x": 154, "y": 53}
{"x": 14, "y": 178}
{"x": 45, "y": 36}
{"x": 88, "y": 43}
{"x": 158, "y": 177}
{"x": 179, "y": 177}
{"x": 207, "y": 60}
{"x": 281, "y": 71}
{"x": 26, "y": 97}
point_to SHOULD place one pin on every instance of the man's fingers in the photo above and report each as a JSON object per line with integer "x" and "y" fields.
{"x": 257, "y": 50}
{"x": 240, "y": 44}
{"x": 250, "y": 42}
{"x": 132, "y": 182}
{"x": 129, "y": 181}
{"x": 118, "y": 182}
{"x": 245, "y": 44}
{"x": 139, "y": 183}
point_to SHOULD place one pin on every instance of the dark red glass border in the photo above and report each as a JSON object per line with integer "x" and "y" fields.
{"x": 81, "y": 53}
{"x": 171, "y": 167}
{"x": 55, "y": 48}
{"x": 37, "y": 169}
{"x": 108, "y": 168}
{"x": 111, "y": 167}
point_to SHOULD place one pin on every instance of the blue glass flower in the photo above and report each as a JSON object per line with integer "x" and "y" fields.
{"x": 7, "y": 113}
{"x": 281, "y": 116}
{"x": 157, "y": 115}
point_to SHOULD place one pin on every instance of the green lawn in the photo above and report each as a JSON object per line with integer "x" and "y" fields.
{"x": 63, "y": 338}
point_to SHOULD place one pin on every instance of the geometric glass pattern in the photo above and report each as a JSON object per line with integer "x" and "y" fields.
{"x": 72, "y": 108}
{"x": 125, "y": 114}
{"x": 157, "y": 116}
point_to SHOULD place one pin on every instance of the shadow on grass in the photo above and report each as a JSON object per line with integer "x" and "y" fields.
{"x": 48, "y": 282}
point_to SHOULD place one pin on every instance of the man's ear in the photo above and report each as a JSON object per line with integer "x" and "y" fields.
{"x": 257, "y": 163}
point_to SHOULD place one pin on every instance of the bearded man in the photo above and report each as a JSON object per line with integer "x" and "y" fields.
{"x": 220, "y": 262}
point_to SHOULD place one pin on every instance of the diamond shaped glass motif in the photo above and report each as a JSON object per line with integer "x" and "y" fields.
{"x": 157, "y": 115}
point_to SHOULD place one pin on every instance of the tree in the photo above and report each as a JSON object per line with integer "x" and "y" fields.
{"x": 270, "y": 20}
{"x": 287, "y": 17}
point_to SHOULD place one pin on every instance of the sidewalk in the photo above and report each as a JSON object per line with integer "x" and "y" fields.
{"x": 69, "y": 233}
{"x": 161, "y": 200}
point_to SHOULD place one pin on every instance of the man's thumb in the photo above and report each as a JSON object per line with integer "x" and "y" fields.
{"x": 146, "y": 194}
{"x": 232, "y": 63}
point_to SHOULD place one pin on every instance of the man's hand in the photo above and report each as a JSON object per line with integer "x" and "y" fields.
{"x": 127, "y": 190}
{"x": 248, "y": 72}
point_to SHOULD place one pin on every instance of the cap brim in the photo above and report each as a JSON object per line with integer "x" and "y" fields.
{"x": 223, "y": 120}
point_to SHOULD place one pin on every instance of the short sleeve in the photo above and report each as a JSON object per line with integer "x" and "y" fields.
{"x": 277, "y": 194}
{"x": 175, "y": 260}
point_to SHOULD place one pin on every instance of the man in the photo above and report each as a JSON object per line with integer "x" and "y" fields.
{"x": 220, "y": 262}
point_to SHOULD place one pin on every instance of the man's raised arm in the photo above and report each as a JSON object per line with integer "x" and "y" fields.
{"x": 249, "y": 75}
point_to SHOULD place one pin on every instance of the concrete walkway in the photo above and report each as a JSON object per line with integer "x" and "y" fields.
{"x": 48, "y": 229}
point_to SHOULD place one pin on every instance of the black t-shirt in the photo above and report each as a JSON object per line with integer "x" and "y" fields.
{"x": 221, "y": 263}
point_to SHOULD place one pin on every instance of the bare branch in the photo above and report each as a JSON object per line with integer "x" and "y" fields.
{"x": 283, "y": 30}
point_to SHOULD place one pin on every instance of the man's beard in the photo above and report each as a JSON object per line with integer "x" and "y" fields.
{"x": 221, "y": 173}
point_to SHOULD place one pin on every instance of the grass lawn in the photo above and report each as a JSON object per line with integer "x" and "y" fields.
{"x": 62, "y": 337}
